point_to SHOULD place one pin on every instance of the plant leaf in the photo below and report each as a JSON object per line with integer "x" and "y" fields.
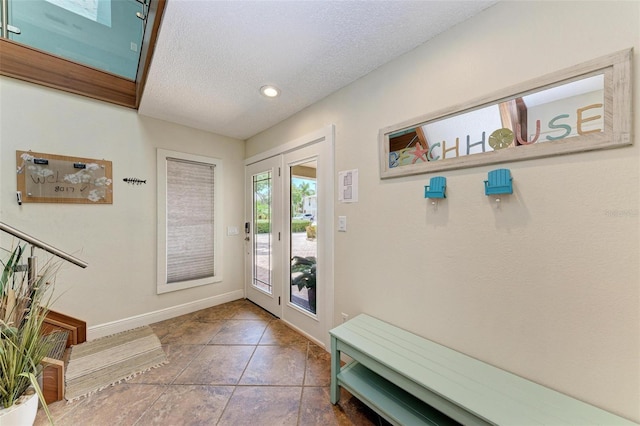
{"x": 34, "y": 383}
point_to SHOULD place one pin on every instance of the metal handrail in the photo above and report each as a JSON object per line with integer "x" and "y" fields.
{"x": 4, "y": 5}
{"x": 41, "y": 244}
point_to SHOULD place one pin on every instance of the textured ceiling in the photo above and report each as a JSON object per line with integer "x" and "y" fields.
{"x": 212, "y": 57}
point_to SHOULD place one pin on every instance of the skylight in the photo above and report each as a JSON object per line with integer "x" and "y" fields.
{"x": 95, "y": 10}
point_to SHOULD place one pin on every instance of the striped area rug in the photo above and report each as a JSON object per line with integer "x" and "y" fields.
{"x": 103, "y": 362}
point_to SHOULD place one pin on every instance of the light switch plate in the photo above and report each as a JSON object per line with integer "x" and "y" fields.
{"x": 232, "y": 230}
{"x": 342, "y": 224}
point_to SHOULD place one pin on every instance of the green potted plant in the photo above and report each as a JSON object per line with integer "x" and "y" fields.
{"x": 23, "y": 308}
{"x": 303, "y": 275}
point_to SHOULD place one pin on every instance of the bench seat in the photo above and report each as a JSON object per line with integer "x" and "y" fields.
{"x": 404, "y": 377}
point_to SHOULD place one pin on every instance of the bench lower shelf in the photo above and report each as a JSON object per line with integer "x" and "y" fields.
{"x": 390, "y": 401}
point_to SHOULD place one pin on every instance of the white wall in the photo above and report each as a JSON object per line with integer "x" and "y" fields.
{"x": 119, "y": 240}
{"x": 547, "y": 286}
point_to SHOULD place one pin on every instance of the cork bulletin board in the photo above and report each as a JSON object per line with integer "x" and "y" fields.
{"x": 49, "y": 178}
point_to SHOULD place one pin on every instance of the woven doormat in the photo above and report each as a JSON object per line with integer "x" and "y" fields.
{"x": 103, "y": 362}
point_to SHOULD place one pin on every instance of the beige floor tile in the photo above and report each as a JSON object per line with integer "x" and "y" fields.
{"x": 262, "y": 405}
{"x": 220, "y": 312}
{"x": 217, "y": 365}
{"x": 250, "y": 311}
{"x": 163, "y": 328}
{"x": 179, "y": 356}
{"x": 58, "y": 410}
{"x": 240, "y": 332}
{"x": 192, "y": 332}
{"x": 121, "y": 405}
{"x": 318, "y": 369}
{"x": 209, "y": 352}
{"x": 188, "y": 405}
{"x": 316, "y": 409}
{"x": 278, "y": 333}
{"x": 276, "y": 365}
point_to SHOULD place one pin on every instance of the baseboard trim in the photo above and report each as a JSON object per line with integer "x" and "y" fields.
{"x": 124, "y": 324}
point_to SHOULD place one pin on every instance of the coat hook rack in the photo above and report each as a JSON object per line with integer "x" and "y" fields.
{"x": 134, "y": 181}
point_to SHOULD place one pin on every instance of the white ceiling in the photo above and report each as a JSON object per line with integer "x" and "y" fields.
{"x": 212, "y": 57}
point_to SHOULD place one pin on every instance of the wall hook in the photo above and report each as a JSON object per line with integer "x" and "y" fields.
{"x": 134, "y": 181}
{"x": 498, "y": 181}
{"x": 436, "y": 189}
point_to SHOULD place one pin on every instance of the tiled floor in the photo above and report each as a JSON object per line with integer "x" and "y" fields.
{"x": 233, "y": 364}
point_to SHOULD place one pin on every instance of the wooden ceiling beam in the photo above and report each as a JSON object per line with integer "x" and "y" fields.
{"x": 422, "y": 137}
{"x": 39, "y": 67}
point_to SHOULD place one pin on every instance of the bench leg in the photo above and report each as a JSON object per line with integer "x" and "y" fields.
{"x": 335, "y": 369}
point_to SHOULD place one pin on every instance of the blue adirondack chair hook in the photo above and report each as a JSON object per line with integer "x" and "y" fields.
{"x": 436, "y": 188}
{"x": 499, "y": 182}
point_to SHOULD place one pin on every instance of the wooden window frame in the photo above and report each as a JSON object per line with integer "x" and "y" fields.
{"x": 616, "y": 69}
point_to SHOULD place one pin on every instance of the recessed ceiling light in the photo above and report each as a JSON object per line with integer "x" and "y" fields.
{"x": 269, "y": 91}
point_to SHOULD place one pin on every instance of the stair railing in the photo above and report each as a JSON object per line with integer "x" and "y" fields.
{"x": 32, "y": 265}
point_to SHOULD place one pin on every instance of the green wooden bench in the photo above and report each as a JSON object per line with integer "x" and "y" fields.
{"x": 410, "y": 380}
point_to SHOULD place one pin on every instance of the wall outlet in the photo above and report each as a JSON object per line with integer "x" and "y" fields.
{"x": 345, "y": 317}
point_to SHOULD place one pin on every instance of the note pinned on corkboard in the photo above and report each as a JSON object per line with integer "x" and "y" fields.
{"x": 49, "y": 178}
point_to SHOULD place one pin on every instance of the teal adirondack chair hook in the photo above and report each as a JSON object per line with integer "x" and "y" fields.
{"x": 436, "y": 188}
{"x": 499, "y": 182}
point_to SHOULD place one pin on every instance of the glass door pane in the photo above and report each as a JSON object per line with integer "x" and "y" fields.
{"x": 303, "y": 238}
{"x": 262, "y": 232}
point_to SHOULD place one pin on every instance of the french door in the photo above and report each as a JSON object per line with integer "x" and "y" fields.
{"x": 263, "y": 234}
{"x": 288, "y": 262}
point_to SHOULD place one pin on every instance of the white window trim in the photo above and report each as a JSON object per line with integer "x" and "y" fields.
{"x": 161, "y": 161}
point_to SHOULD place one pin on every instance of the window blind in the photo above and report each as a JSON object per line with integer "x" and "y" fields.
{"x": 190, "y": 220}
